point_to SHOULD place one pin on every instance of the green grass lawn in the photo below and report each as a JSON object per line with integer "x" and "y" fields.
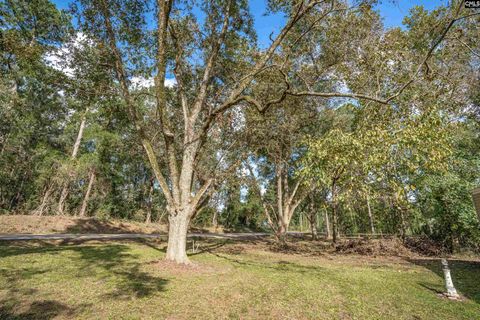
{"x": 128, "y": 280}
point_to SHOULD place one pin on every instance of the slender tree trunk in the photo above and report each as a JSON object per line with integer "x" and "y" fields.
{"x": 215, "y": 220}
{"x": 287, "y": 202}
{"x": 177, "y": 236}
{"x": 334, "y": 223}
{"x": 83, "y": 210}
{"x": 63, "y": 197}
{"x": 313, "y": 226}
{"x": 334, "y": 211}
{"x": 148, "y": 218}
{"x": 281, "y": 214}
{"x": 403, "y": 225}
{"x": 451, "y": 291}
{"x": 354, "y": 222}
{"x": 76, "y": 146}
{"x": 328, "y": 233}
{"x": 370, "y": 216}
{"x": 300, "y": 218}
{"x": 41, "y": 208}
{"x": 162, "y": 214}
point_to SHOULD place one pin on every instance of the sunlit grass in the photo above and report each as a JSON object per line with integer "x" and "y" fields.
{"x": 125, "y": 281}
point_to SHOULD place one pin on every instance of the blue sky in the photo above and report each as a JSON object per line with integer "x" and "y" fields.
{"x": 392, "y": 12}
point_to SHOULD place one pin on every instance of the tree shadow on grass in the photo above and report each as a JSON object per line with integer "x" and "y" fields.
{"x": 17, "y": 303}
{"x": 115, "y": 265}
{"x": 205, "y": 246}
{"x": 195, "y": 246}
{"x": 41, "y": 309}
{"x": 8, "y": 249}
{"x": 465, "y": 274}
{"x": 123, "y": 267}
{"x": 282, "y": 265}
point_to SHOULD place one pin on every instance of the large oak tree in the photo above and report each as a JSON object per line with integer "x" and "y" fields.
{"x": 209, "y": 47}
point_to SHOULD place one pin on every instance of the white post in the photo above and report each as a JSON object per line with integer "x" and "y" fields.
{"x": 451, "y": 292}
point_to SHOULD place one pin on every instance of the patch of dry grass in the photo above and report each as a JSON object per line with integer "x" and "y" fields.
{"x": 67, "y": 224}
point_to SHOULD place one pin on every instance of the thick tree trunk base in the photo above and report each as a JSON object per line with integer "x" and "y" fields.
{"x": 177, "y": 239}
{"x": 281, "y": 234}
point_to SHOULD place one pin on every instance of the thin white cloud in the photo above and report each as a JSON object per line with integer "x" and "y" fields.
{"x": 61, "y": 59}
{"x": 139, "y": 82}
{"x": 170, "y": 82}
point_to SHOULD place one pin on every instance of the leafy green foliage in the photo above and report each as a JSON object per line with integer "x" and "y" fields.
{"x": 405, "y": 164}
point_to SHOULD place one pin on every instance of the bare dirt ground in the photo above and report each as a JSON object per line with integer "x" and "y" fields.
{"x": 62, "y": 224}
{"x": 51, "y": 225}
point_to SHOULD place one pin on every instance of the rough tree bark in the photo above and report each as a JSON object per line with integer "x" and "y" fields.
{"x": 177, "y": 236}
{"x": 91, "y": 180}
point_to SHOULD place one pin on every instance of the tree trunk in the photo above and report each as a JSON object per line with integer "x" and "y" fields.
{"x": 313, "y": 227}
{"x": 63, "y": 197}
{"x": 313, "y": 220}
{"x": 177, "y": 236}
{"x": 148, "y": 218}
{"x": 76, "y": 146}
{"x": 354, "y": 222}
{"x": 215, "y": 220}
{"x": 282, "y": 230}
{"x": 87, "y": 194}
{"x": 334, "y": 223}
{"x": 370, "y": 216}
{"x": 451, "y": 291}
{"x": 300, "y": 218}
{"x": 334, "y": 211}
{"x": 283, "y": 224}
{"x": 46, "y": 196}
{"x": 328, "y": 233}
{"x": 403, "y": 228}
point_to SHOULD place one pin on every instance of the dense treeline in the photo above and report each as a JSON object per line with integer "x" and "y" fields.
{"x": 82, "y": 133}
